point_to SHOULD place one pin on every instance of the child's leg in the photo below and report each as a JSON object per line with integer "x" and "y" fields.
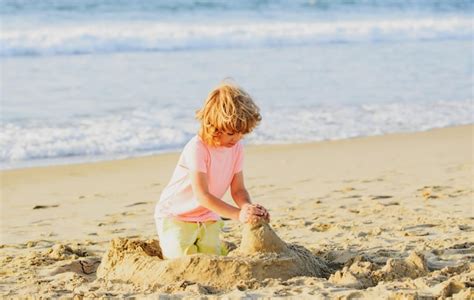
{"x": 177, "y": 238}
{"x": 208, "y": 238}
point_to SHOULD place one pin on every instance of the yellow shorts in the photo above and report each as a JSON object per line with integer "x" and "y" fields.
{"x": 178, "y": 238}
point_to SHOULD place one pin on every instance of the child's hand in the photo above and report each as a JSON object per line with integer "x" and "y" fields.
{"x": 251, "y": 213}
{"x": 266, "y": 215}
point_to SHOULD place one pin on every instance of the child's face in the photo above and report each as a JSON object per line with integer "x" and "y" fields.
{"x": 229, "y": 139}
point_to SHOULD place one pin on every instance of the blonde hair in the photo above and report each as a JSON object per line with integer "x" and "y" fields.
{"x": 228, "y": 108}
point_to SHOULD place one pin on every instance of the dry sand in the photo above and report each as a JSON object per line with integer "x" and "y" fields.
{"x": 378, "y": 217}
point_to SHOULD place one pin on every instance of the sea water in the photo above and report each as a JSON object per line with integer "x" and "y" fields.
{"x": 85, "y": 80}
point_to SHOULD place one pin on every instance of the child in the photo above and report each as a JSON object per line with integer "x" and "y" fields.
{"x": 187, "y": 214}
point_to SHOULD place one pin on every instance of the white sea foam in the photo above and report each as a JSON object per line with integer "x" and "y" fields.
{"x": 332, "y": 122}
{"x": 146, "y": 131}
{"x": 110, "y": 37}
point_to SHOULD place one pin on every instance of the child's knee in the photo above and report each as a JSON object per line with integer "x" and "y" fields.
{"x": 214, "y": 248}
{"x": 177, "y": 248}
{"x": 209, "y": 241}
{"x": 177, "y": 239}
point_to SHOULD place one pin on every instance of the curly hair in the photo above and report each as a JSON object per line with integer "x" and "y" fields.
{"x": 228, "y": 108}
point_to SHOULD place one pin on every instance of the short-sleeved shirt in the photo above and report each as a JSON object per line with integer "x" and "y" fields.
{"x": 178, "y": 199}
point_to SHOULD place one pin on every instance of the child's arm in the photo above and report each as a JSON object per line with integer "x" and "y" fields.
{"x": 241, "y": 195}
{"x": 238, "y": 191}
{"x": 209, "y": 201}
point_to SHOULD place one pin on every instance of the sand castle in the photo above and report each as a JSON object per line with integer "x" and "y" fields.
{"x": 262, "y": 254}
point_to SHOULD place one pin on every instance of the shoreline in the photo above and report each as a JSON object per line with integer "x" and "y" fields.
{"x": 125, "y": 157}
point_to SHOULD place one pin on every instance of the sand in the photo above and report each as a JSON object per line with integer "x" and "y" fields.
{"x": 384, "y": 217}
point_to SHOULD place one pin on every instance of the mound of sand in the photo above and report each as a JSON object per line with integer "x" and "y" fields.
{"x": 262, "y": 254}
{"x": 364, "y": 274}
{"x": 260, "y": 238}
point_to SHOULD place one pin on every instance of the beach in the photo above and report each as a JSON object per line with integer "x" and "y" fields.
{"x": 365, "y": 202}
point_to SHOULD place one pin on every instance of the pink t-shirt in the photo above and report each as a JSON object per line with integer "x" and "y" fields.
{"x": 219, "y": 163}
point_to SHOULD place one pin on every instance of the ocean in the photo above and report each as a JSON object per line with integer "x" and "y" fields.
{"x": 85, "y": 80}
